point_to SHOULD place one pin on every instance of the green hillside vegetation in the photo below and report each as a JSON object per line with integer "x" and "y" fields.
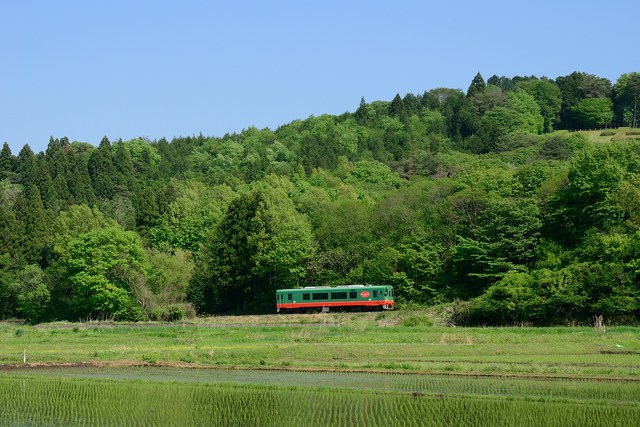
{"x": 493, "y": 204}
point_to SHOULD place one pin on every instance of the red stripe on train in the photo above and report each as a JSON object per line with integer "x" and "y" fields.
{"x": 334, "y": 304}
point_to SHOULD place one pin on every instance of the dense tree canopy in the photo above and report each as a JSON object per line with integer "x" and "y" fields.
{"x": 485, "y": 195}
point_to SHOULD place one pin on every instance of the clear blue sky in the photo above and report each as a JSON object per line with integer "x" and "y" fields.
{"x": 123, "y": 69}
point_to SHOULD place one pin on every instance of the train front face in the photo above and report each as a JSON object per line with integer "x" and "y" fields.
{"x": 389, "y": 301}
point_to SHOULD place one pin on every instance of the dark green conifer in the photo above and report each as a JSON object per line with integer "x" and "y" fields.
{"x": 101, "y": 170}
{"x": 123, "y": 164}
{"x": 49, "y": 191}
{"x": 361, "y": 112}
{"x": 37, "y": 223}
{"x": 396, "y": 108}
{"x": 147, "y": 212}
{"x": 477, "y": 85}
{"x": 6, "y": 161}
{"x": 26, "y": 166}
{"x": 79, "y": 180}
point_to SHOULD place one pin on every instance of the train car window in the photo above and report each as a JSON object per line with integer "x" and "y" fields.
{"x": 386, "y": 292}
{"x": 353, "y": 294}
{"x": 375, "y": 294}
{"x": 290, "y": 296}
{"x": 321, "y": 295}
{"x": 306, "y": 297}
{"x": 338, "y": 295}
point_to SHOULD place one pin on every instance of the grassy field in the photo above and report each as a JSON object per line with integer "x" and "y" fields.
{"x": 365, "y": 341}
{"x": 612, "y": 135}
{"x": 325, "y": 369}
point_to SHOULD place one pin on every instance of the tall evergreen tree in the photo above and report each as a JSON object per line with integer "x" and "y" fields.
{"x": 26, "y": 166}
{"x": 79, "y": 180}
{"x": 411, "y": 104}
{"x": 361, "y": 112}
{"x": 147, "y": 169}
{"x": 6, "y": 161}
{"x": 56, "y": 156}
{"x": 477, "y": 85}
{"x": 504, "y": 83}
{"x": 37, "y": 223}
{"x": 396, "y": 108}
{"x": 123, "y": 164}
{"x": 20, "y": 238}
{"x": 11, "y": 228}
{"x": 147, "y": 212}
{"x": 49, "y": 192}
{"x": 102, "y": 171}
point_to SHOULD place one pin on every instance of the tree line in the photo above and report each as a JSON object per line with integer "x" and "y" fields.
{"x": 482, "y": 201}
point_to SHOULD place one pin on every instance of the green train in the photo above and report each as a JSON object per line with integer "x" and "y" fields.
{"x": 339, "y": 298}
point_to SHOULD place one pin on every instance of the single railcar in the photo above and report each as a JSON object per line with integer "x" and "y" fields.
{"x": 339, "y": 298}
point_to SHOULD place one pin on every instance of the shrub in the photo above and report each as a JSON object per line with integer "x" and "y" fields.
{"x": 172, "y": 312}
{"x": 456, "y": 312}
{"x": 417, "y": 320}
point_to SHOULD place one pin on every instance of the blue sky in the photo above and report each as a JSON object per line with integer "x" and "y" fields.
{"x": 125, "y": 69}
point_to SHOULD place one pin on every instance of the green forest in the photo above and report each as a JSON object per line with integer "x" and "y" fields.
{"x": 496, "y": 203}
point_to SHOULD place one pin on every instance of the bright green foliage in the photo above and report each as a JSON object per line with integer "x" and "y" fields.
{"x": 548, "y": 96}
{"x": 105, "y": 270}
{"x": 576, "y": 87}
{"x": 626, "y": 95}
{"x": 548, "y": 296}
{"x": 168, "y": 275}
{"x": 74, "y": 221}
{"x": 505, "y": 240}
{"x": 374, "y": 172}
{"x": 593, "y": 113}
{"x": 191, "y": 216}
{"x": 33, "y": 296}
{"x": 525, "y": 104}
{"x": 421, "y": 264}
{"x": 441, "y": 194}
{"x": 261, "y": 244}
{"x": 521, "y": 114}
{"x": 144, "y": 157}
{"x": 588, "y": 199}
{"x": 345, "y": 224}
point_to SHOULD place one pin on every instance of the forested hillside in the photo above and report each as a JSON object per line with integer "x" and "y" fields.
{"x": 489, "y": 200}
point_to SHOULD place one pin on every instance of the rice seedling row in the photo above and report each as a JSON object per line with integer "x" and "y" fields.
{"x": 91, "y": 401}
